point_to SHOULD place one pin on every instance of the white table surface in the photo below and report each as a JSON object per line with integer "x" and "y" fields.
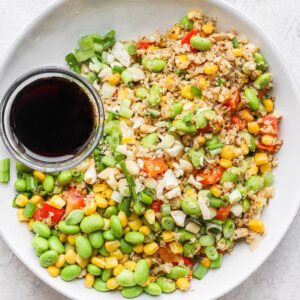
{"x": 278, "y": 278}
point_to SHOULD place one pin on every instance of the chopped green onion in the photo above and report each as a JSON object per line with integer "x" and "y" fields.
{"x": 142, "y": 92}
{"x": 86, "y": 42}
{"x": 196, "y": 91}
{"x": 126, "y": 112}
{"x": 109, "y": 161}
{"x": 117, "y": 69}
{"x": 14, "y": 204}
{"x": 221, "y": 82}
{"x": 29, "y": 210}
{"x": 97, "y": 38}
{"x": 216, "y": 263}
{"x": 91, "y": 77}
{"x": 83, "y": 55}
{"x": 75, "y": 172}
{"x": 126, "y": 77}
{"x": 130, "y": 48}
{"x": 5, "y": 170}
{"x": 31, "y": 184}
{"x": 98, "y": 47}
{"x": 110, "y": 35}
{"x": 149, "y": 140}
{"x": 79, "y": 178}
{"x": 151, "y": 114}
{"x": 72, "y": 62}
{"x": 145, "y": 198}
{"x": 108, "y": 44}
{"x": 130, "y": 180}
{"x": 235, "y": 43}
{"x": 200, "y": 272}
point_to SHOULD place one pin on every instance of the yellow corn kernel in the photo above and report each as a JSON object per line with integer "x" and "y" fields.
{"x": 89, "y": 280}
{"x": 100, "y": 201}
{"x": 252, "y": 171}
{"x": 90, "y": 208}
{"x": 238, "y": 52}
{"x": 71, "y": 257}
{"x": 268, "y": 139}
{"x": 239, "y": 106}
{"x": 106, "y": 224}
{"x": 245, "y": 149}
{"x": 112, "y": 202}
{"x": 201, "y": 140}
{"x": 31, "y": 221}
{"x": 20, "y": 215}
{"x": 153, "y": 47}
{"x": 153, "y": 278}
{"x": 53, "y": 271}
{"x": 139, "y": 248}
{"x": 191, "y": 192}
{"x": 82, "y": 262}
{"x": 57, "y": 202}
{"x": 149, "y": 261}
{"x": 36, "y": 199}
{"x": 118, "y": 269}
{"x": 269, "y": 105}
{"x": 183, "y": 283}
{"x": 72, "y": 238}
{"x": 146, "y": 283}
{"x": 216, "y": 191}
{"x": 129, "y": 140}
{"x": 133, "y": 217}
{"x": 253, "y": 127}
{"x": 210, "y": 69}
{"x": 114, "y": 79}
{"x": 60, "y": 261}
{"x": 130, "y": 265}
{"x": 21, "y": 200}
{"x": 175, "y": 32}
{"x": 63, "y": 237}
{"x": 150, "y": 216}
{"x": 227, "y": 152}
{"x": 176, "y": 247}
{"x": 112, "y": 283}
{"x": 107, "y": 193}
{"x": 168, "y": 236}
{"x": 127, "y": 121}
{"x": 117, "y": 254}
{"x": 225, "y": 163}
{"x": 261, "y": 158}
{"x": 99, "y": 187}
{"x": 186, "y": 92}
{"x": 208, "y": 28}
{"x": 124, "y": 259}
{"x": 145, "y": 230}
{"x": 151, "y": 248}
{"x": 256, "y": 225}
{"x": 246, "y": 115}
{"x": 183, "y": 62}
{"x": 135, "y": 225}
{"x": 189, "y": 106}
{"x": 111, "y": 262}
{"x": 202, "y": 83}
{"x": 169, "y": 82}
{"x": 123, "y": 94}
{"x": 40, "y": 176}
{"x": 126, "y": 229}
{"x": 123, "y": 218}
{"x": 192, "y": 14}
{"x": 111, "y": 246}
{"x": 98, "y": 261}
{"x": 205, "y": 262}
{"x": 266, "y": 168}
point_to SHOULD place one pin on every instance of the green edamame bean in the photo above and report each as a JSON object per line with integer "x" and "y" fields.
{"x": 141, "y": 272}
{"x": 100, "y": 285}
{"x": 92, "y": 223}
{"x": 75, "y": 217}
{"x": 255, "y": 183}
{"x": 134, "y": 237}
{"x": 166, "y": 285}
{"x": 111, "y": 211}
{"x": 154, "y": 227}
{"x": 200, "y": 43}
{"x": 40, "y": 245}
{"x": 48, "y": 183}
{"x": 126, "y": 278}
{"x": 22, "y": 168}
{"x": 252, "y": 99}
{"x": 149, "y": 140}
{"x": 231, "y": 175}
{"x": 153, "y": 289}
{"x": 56, "y": 244}
{"x": 168, "y": 223}
{"x": 83, "y": 246}
{"x": 116, "y": 226}
{"x": 262, "y": 81}
{"x": 176, "y": 109}
{"x": 268, "y": 178}
{"x": 68, "y": 229}
{"x": 103, "y": 251}
{"x": 20, "y": 185}
{"x": 41, "y": 229}
{"x": 190, "y": 206}
{"x": 178, "y": 272}
{"x": 246, "y": 204}
{"x": 125, "y": 247}
{"x": 153, "y": 99}
{"x": 186, "y": 23}
{"x": 189, "y": 250}
{"x": 181, "y": 126}
{"x": 64, "y": 178}
{"x": 141, "y": 92}
{"x": 260, "y": 61}
{"x": 70, "y": 272}
{"x": 132, "y": 292}
{"x": 154, "y": 65}
{"x": 96, "y": 239}
{"x": 185, "y": 235}
{"x": 94, "y": 270}
{"x": 106, "y": 274}
{"x": 108, "y": 235}
{"x": 54, "y": 232}
{"x": 68, "y": 246}
{"x": 48, "y": 258}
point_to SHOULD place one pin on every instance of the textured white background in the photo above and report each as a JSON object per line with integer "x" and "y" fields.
{"x": 278, "y": 278}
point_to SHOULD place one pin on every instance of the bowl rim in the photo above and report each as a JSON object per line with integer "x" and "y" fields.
{"x": 222, "y": 5}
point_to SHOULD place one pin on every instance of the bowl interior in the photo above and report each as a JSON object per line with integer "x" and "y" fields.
{"x": 55, "y": 33}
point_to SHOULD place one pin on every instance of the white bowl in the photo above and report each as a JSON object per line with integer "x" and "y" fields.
{"x": 54, "y": 34}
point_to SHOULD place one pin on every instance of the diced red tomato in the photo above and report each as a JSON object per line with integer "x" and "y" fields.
{"x": 187, "y": 38}
{"x": 269, "y": 122}
{"x": 188, "y": 261}
{"x": 155, "y": 167}
{"x": 212, "y": 176}
{"x": 144, "y": 45}
{"x": 271, "y": 148}
{"x": 156, "y": 204}
{"x": 237, "y": 120}
{"x": 223, "y": 212}
{"x": 233, "y": 101}
{"x": 190, "y": 275}
{"x": 46, "y": 210}
{"x": 221, "y": 251}
{"x": 205, "y": 129}
{"x": 174, "y": 263}
{"x": 37, "y": 215}
{"x": 167, "y": 255}
{"x": 74, "y": 201}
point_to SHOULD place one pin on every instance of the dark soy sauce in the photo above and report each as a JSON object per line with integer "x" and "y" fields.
{"x": 52, "y": 117}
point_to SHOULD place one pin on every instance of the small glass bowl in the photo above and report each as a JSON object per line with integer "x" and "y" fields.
{"x": 17, "y": 149}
